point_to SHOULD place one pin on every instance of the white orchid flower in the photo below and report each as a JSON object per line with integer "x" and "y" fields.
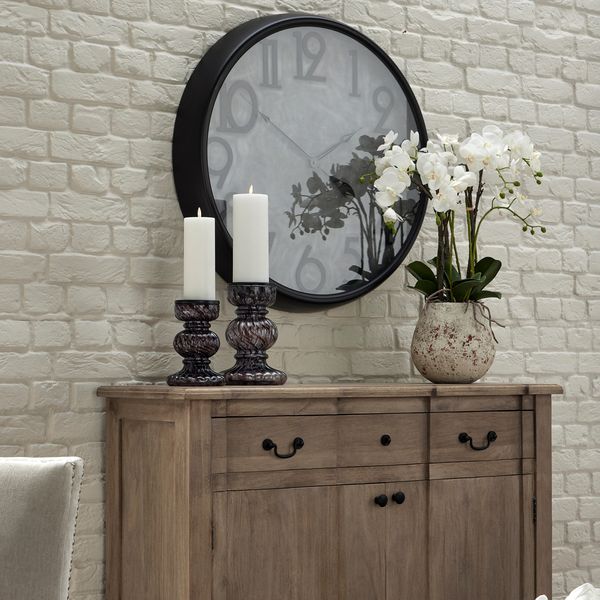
{"x": 388, "y": 140}
{"x": 446, "y": 156}
{"x": 432, "y": 170}
{"x": 462, "y": 179}
{"x": 391, "y": 216}
{"x": 585, "y": 592}
{"x": 393, "y": 157}
{"x": 535, "y": 162}
{"x": 445, "y": 199}
{"x": 381, "y": 164}
{"x": 399, "y": 158}
{"x": 447, "y": 139}
{"x": 411, "y": 145}
{"x": 393, "y": 181}
{"x": 390, "y": 185}
{"x": 519, "y": 144}
{"x": 385, "y": 199}
{"x": 481, "y": 152}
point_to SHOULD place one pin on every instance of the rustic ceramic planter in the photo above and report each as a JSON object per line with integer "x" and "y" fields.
{"x": 453, "y": 342}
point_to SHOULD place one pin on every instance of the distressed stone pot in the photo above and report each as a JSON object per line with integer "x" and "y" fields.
{"x": 453, "y": 342}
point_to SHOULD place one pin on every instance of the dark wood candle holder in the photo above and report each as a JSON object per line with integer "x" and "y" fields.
{"x": 196, "y": 343}
{"x": 251, "y": 334}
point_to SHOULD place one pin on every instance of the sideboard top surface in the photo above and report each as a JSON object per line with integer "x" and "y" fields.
{"x": 360, "y": 390}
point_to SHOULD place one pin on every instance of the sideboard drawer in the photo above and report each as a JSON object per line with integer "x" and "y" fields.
{"x": 369, "y": 440}
{"x": 470, "y": 436}
{"x": 248, "y": 443}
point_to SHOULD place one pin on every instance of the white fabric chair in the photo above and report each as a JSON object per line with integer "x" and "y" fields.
{"x": 39, "y": 498}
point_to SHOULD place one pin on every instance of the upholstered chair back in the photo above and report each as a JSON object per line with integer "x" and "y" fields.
{"x": 39, "y": 498}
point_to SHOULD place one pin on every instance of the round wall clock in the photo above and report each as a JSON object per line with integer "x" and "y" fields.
{"x": 295, "y": 105}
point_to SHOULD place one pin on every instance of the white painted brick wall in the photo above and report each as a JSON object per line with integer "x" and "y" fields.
{"x": 90, "y": 230}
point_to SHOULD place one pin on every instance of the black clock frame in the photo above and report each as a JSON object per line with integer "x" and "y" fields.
{"x": 190, "y": 138}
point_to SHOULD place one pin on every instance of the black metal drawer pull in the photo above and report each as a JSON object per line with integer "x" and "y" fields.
{"x": 398, "y": 497}
{"x": 269, "y": 445}
{"x": 385, "y": 439}
{"x": 381, "y": 500}
{"x": 463, "y": 438}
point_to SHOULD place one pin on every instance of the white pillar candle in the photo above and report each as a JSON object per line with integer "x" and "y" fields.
{"x": 199, "y": 258}
{"x": 250, "y": 238}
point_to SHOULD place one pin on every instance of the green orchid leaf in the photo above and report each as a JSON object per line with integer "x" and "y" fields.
{"x": 451, "y": 274}
{"x": 461, "y": 290}
{"x": 425, "y": 287}
{"x": 420, "y": 270}
{"x": 481, "y": 295}
{"x": 488, "y": 267}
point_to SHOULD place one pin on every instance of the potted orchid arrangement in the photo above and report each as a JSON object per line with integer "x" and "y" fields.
{"x": 474, "y": 178}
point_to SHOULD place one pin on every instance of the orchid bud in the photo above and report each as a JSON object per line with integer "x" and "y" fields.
{"x": 524, "y": 227}
{"x": 543, "y": 230}
{"x": 516, "y": 183}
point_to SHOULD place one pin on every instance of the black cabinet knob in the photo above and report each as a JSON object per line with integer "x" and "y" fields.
{"x": 386, "y": 439}
{"x": 381, "y": 500}
{"x": 399, "y": 497}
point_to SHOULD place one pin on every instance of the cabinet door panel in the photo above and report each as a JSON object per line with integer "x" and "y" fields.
{"x": 475, "y": 539}
{"x": 362, "y": 542}
{"x": 406, "y": 542}
{"x": 277, "y": 544}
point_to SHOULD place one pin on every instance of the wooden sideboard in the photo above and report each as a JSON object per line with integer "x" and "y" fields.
{"x": 329, "y": 492}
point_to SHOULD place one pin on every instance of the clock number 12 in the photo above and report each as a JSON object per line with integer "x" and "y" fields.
{"x": 305, "y": 48}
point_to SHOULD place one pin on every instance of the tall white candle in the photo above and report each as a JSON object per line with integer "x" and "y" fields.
{"x": 250, "y": 238}
{"x": 199, "y": 258}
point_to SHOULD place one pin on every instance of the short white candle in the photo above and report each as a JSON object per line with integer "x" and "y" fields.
{"x": 199, "y": 258}
{"x": 250, "y": 238}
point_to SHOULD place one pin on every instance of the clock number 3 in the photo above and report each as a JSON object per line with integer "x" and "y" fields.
{"x": 309, "y": 46}
{"x": 229, "y": 120}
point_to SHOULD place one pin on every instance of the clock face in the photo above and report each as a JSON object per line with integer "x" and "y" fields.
{"x": 299, "y": 116}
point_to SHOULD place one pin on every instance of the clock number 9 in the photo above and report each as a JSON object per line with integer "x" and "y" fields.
{"x": 311, "y": 263}
{"x": 304, "y": 49}
{"x": 223, "y": 171}
{"x": 227, "y": 95}
{"x": 383, "y": 100}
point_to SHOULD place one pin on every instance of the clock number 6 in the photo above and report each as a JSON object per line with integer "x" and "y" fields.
{"x": 307, "y": 261}
{"x": 314, "y": 55}
{"x": 220, "y": 172}
{"x": 228, "y": 122}
{"x": 383, "y": 100}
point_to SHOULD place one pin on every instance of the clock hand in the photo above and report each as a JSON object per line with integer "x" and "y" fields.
{"x": 268, "y": 120}
{"x": 343, "y": 140}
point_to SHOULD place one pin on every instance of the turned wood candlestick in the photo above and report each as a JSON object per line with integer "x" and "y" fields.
{"x": 196, "y": 343}
{"x": 251, "y": 334}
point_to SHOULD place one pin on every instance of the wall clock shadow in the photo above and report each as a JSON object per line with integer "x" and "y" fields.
{"x": 295, "y": 105}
